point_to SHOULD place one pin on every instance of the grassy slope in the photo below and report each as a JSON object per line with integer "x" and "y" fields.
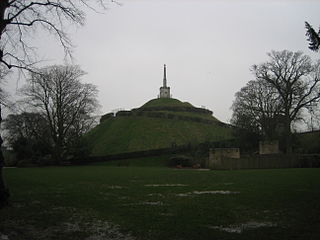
{"x": 126, "y": 134}
{"x": 63, "y": 203}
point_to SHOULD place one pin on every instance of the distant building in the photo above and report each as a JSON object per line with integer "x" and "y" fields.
{"x": 164, "y": 90}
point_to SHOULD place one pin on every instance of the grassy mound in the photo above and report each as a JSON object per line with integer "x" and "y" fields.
{"x": 160, "y": 123}
{"x": 167, "y": 102}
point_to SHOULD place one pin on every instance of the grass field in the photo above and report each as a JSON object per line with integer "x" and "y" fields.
{"x": 106, "y": 202}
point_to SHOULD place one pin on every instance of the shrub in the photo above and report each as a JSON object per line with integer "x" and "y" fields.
{"x": 181, "y": 160}
{"x": 26, "y": 163}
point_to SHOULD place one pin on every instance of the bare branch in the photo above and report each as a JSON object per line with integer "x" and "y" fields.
{"x": 20, "y": 19}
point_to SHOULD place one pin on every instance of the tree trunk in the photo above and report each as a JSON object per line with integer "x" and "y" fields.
{"x": 288, "y": 135}
{"x": 58, "y": 152}
{"x": 4, "y": 192}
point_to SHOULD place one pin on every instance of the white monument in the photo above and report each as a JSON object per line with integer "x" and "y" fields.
{"x": 164, "y": 90}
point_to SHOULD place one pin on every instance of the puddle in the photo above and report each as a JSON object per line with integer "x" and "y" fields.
{"x": 155, "y": 195}
{"x": 115, "y": 187}
{"x": 243, "y": 227}
{"x": 214, "y": 192}
{"x": 183, "y": 194}
{"x": 157, "y": 203}
{"x": 165, "y": 185}
{"x": 167, "y": 214}
{"x": 206, "y": 192}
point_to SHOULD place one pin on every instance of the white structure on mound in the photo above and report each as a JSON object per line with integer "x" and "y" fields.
{"x": 164, "y": 90}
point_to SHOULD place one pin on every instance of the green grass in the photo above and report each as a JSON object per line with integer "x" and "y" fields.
{"x": 128, "y": 134}
{"x": 167, "y": 102}
{"x": 78, "y": 202}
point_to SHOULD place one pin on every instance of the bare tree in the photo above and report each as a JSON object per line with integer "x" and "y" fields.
{"x": 58, "y": 93}
{"x": 256, "y": 108}
{"x": 20, "y": 19}
{"x": 313, "y": 37}
{"x": 4, "y": 192}
{"x": 296, "y": 79}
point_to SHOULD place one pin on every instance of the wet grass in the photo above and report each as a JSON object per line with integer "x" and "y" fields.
{"x": 104, "y": 202}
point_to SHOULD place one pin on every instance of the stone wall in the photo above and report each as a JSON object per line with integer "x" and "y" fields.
{"x": 267, "y": 161}
{"x": 268, "y": 147}
{"x": 218, "y": 155}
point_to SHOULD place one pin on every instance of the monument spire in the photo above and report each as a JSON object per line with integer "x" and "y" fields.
{"x": 164, "y": 76}
{"x": 165, "y": 90}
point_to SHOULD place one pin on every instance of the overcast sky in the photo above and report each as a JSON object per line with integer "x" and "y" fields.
{"x": 208, "y": 46}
